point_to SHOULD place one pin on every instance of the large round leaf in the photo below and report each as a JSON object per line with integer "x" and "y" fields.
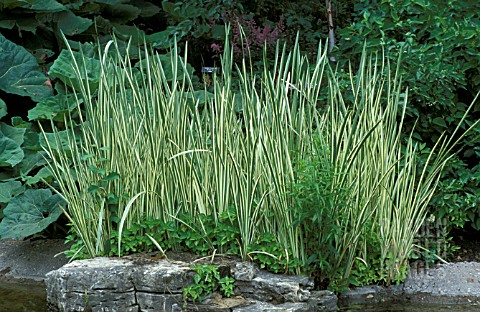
{"x": 30, "y": 213}
{"x": 3, "y": 109}
{"x": 89, "y": 68}
{"x": 54, "y": 107}
{"x": 18, "y": 72}
{"x": 71, "y": 24}
{"x": 11, "y": 153}
{"x": 9, "y": 190}
{"x": 16, "y": 134}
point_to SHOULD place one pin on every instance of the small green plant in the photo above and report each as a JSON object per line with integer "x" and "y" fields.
{"x": 316, "y": 205}
{"x": 206, "y": 281}
{"x": 272, "y": 256}
{"x": 77, "y": 248}
{"x": 85, "y": 298}
{"x": 374, "y": 270}
{"x": 227, "y": 286}
{"x": 135, "y": 239}
{"x": 201, "y": 236}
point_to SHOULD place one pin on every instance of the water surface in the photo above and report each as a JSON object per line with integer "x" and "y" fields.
{"x": 31, "y": 297}
{"x": 410, "y": 307}
{"x": 22, "y": 296}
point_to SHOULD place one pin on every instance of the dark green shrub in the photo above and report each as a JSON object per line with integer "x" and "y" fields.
{"x": 439, "y": 42}
{"x": 316, "y": 204}
{"x": 206, "y": 280}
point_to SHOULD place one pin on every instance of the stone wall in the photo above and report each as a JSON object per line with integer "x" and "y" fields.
{"x": 133, "y": 284}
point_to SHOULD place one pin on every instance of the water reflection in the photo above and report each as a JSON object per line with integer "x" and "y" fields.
{"x": 409, "y": 307}
{"x": 31, "y": 297}
{"x": 22, "y": 296}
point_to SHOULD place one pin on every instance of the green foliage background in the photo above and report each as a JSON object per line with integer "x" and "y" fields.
{"x": 440, "y": 45}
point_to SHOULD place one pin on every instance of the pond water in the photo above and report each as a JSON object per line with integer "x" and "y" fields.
{"x": 31, "y": 297}
{"x": 409, "y": 307}
{"x": 28, "y": 297}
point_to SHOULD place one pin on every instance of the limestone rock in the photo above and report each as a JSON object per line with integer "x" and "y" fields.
{"x": 162, "y": 277}
{"x": 259, "y": 306}
{"x": 151, "y": 302}
{"x": 88, "y": 284}
{"x": 122, "y": 284}
{"x": 365, "y": 294}
{"x": 323, "y": 300}
{"x": 276, "y": 288}
{"x": 216, "y": 302}
{"x": 244, "y": 271}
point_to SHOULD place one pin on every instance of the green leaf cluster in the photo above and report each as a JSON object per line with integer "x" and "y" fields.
{"x": 206, "y": 280}
{"x": 72, "y": 17}
{"x": 19, "y": 73}
{"x": 22, "y": 168}
{"x": 272, "y": 256}
{"x": 195, "y": 19}
{"x": 203, "y": 235}
{"x": 457, "y": 202}
{"x": 438, "y": 45}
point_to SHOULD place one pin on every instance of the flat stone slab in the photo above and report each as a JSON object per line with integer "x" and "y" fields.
{"x": 267, "y": 307}
{"x": 450, "y": 283}
{"x": 31, "y": 259}
{"x": 371, "y": 294}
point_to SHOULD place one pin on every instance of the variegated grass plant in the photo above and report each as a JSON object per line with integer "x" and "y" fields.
{"x": 150, "y": 146}
{"x": 377, "y": 163}
{"x": 153, "y": 140}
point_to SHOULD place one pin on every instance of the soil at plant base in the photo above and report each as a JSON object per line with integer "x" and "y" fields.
{"x": 468, "y": 239}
